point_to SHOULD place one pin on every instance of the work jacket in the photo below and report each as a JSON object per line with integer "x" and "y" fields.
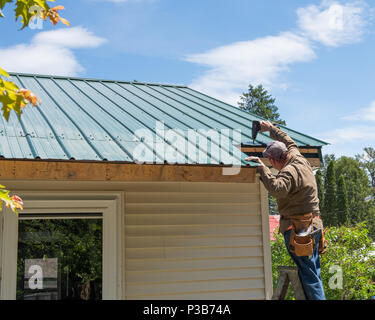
{"x": 294, "y": 187}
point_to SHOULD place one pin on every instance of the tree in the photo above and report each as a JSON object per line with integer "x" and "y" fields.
{"x": 329, "y": 207}
{"x": 367, "y": 162}
{"x": 11, "y": 96}
{"x": 358, "y": 187}
{"x": 355, "y": 180}
{"x": 342, "y": 202}
{"x": 259, "y": 102}
{"x": 77, "y": 245}
{"x": 320, "y": 185}
{"x": 347, "y": 268}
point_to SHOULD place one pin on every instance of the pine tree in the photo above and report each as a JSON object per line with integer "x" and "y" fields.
{"x": 329, "y": 208}
{"x": 367, "y": 162}
{"x": 342, "y": 202}
{"x": 319, "y": 184}
{"x": 357, "y": 185}
{"x": 257, "y": 101}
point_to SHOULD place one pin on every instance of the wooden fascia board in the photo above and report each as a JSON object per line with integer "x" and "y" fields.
{"x": 107, "y": 171}
{"x": 312, "y": 154}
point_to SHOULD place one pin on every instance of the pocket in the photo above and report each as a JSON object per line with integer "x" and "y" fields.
{"x": 303, "y": 246}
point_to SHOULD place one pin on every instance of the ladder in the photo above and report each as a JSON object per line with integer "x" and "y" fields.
{"x": 288, "y": 274}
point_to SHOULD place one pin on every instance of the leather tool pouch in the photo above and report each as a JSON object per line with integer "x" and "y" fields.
{"x": 301, "y": 242}
{"x": 302, "y": 245}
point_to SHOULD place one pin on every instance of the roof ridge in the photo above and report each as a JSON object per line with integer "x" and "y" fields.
{"x": 95, "y": 79}
{"x": 257, "y": 116}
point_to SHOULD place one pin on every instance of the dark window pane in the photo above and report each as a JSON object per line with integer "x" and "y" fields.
{"x": 59, "y": 259}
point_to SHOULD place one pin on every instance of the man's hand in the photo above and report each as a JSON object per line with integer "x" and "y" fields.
{"x": 255, "y": 159}
{"x": 265, "y": 126}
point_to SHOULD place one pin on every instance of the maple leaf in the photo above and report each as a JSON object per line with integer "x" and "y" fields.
{"x": 4, "y": 73}
{"x": 17, "y": 201}
{"x": 13, "y": 98}
{"x": 54, "y": 16}
{"x": 4, "y": 2}
{"x": 14, "y": 202}
{"x": 29, "y": 96}
{"x": 27, "y": 9}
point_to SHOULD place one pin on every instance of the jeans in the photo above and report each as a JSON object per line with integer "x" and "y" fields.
{"x": 309, "y": 270}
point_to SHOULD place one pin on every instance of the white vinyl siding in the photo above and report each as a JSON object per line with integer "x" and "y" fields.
{"x": 201, "y": 242}
{"x": 181, "y": 240}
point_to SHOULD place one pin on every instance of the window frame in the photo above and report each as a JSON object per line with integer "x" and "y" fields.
{"x": 75, "y": 205}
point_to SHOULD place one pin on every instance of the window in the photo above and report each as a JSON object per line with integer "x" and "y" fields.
{"x": 61, "y": 249}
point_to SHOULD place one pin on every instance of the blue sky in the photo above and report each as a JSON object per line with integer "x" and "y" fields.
{"x": 317, "y": 58}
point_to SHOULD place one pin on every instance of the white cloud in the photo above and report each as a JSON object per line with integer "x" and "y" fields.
{"x": 333, "y": 24}
{"x": 353, "y": 133}
{"x": 365, "y": 114}
{"x": 50, "y": 52}
{"x": 353, "y": 138}
{"x": 234, "y": 66}
{"x": 76, "y": 37}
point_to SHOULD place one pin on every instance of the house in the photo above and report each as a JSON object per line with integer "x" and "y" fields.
{"x": 134, "y": 191}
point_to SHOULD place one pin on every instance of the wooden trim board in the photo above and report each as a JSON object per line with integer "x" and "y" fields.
{"x": 261, "y": 149}
{"x": 311, "y": 155}
{"x": 97, "y": 171}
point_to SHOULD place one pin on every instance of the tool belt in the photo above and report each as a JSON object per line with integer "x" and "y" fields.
{"x": 302, "y": 236}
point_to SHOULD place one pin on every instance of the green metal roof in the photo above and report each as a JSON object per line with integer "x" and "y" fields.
{"x": 92, "y": 119}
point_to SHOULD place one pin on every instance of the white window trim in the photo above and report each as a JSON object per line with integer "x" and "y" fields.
{"x": 63, "y": 202}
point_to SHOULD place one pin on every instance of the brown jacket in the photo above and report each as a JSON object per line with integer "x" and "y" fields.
{"x": 294, "y": 187}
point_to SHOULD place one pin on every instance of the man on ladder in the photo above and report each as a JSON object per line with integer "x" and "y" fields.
{"x": 296, "y": 193}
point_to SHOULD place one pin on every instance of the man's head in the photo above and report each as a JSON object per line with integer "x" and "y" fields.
{"x": 277, "y": 153}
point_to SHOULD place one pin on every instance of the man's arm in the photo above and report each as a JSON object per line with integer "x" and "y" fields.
{"x": 279, "y": 186}
{"x": 279, "y": 135}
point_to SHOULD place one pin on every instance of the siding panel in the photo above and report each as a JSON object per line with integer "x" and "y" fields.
{"x": 197, "y": 275}
{"x": 191, "y": 219}
{"x": 152, "y": 288}
{"x": 241, "y": 294}
{"x": 181, "y": 241}
{"x": 192, "y": 252}
{"x": 189, "y": 230}
{"x": 198, "y": 241}
{"x": 252, "y": 208}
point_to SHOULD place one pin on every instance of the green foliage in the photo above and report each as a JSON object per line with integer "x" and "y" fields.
{"x": 352, "y": 201}
{"x": 2, "y": 4}
{"x": 272, "y": 203}
{"x": 76, "y": 243}
{"x": 259, "y": 102}
{"x": 342, "y": 201}
{"x": 367, "y": 162}
{"x": 329, "y": 207}
{"x": 349, "y": 248}
{"x": 24, "y": 10}
{"x": 358, "y": 188}
{"x": 280, "y": 257}
{"x": 320, "y": 186}
{"x": 11, "y": 96}
{"x": 12, "y": 202}
{"x": 27, "y": 9}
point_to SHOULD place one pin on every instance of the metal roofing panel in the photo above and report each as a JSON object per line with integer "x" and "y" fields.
{"x": 300, "y": 138}
{"x": 92, "y": 119}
